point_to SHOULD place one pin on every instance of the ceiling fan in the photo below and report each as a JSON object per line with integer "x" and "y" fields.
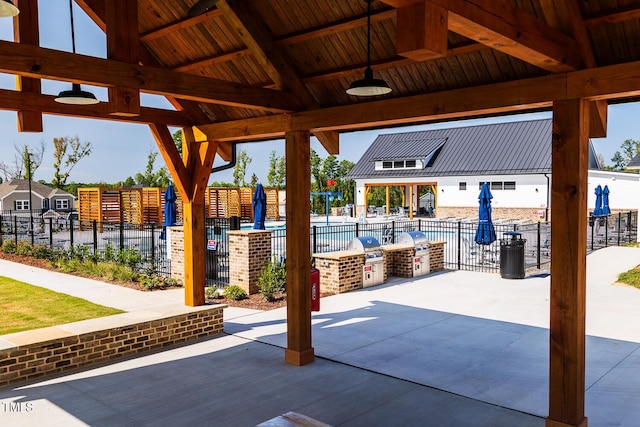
{"x": 201, "y": 7}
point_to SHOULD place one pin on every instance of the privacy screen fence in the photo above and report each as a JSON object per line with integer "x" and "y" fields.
{"x": 461, "y": 251}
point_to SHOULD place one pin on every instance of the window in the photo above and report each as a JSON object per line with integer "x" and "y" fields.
{"x": 62, "y": 204}
{"x": 410, "y": 164}
{"x": 462, "y": 186}
{"x": 496, "y": 185}
{"x": 387, "y": 165}
{"x": 22, "y": 205}
{"x": 398, "y": 164}
{"x": 509, "y": 185}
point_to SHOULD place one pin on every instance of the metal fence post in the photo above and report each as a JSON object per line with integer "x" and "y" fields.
{"x": 50, "y": 232}
{"x": 314, "y": 232}
{"x": 95, "y": 236}
{"x": 459, "y": 244}
{"x": 606, "y": 231}
{"x": 1, "y": 233}
{"x": 153, "y": 246}
{"x": 393, "y": 231}
{"x": 121, "y": 236}
{"x": 71, "y": 231}
{"x": 15, "y": 228}
{"x": 357, "y": 229}
{"x": 539, "y": 247}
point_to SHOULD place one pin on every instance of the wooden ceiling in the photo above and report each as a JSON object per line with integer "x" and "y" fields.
{"x": 254, "y": 68}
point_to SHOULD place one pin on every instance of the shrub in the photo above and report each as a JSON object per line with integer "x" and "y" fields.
{"x": 272, "y": 280}
{"x": 235, "y": 293}
{"x": 9, "y": 247}
{"x": 24, "y": 248}
{"x": 212, "y": 293}
{"x": 129, "y": 257}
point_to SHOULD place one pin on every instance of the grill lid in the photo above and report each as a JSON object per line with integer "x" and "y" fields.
{"x": 413, "y": 238}
{"x": 364, "y": 244}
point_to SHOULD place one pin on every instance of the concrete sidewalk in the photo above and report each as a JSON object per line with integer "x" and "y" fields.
{"x": 454, "y": 348}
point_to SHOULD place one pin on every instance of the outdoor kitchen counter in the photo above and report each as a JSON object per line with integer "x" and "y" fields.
{"x": 337, "y": 255}
{"x": 396, "y": 247}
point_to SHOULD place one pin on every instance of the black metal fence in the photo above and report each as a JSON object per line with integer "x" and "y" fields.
{"x": 147, "y": 239}
{"x": 461, "y": 251}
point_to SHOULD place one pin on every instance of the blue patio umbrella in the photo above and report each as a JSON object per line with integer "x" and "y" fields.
{"x": 485, "y": 233}
{"x": 170, "y": 209}
{"x": 259, "y": 200}
{"x": 597, "y": 211}
{"x": 605, "y": 201}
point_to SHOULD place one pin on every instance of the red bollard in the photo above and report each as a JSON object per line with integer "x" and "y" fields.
{"x": 315, "y": 289}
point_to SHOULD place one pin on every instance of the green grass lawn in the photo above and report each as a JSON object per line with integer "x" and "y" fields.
{"x": 24, "y": 307}
{"x": 631, "y": 277}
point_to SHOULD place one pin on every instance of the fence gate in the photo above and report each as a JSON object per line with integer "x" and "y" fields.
{"x": 217, "y": 252}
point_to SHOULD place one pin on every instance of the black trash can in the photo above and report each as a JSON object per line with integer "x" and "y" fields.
{"x": 512, "y": 256}
{"x": 234, "y": 223}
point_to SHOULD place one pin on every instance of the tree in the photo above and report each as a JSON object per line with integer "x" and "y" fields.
{"x": 630, "y": 148}
{"x": 177, "y": 139}
{"x": 67, "y": 151}
{"x": 254, "y": 180}
{"x": 149, "y": 178}
{"x": 240, "y": 169}
{"x": 277, "y": 171}
{"x": 618, "y": 161}
{"x": 18, "y": 168}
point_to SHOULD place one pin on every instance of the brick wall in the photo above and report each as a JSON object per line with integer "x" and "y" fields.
{"x": 339, "y": 274}
{"x": 399, "y": 262}
{"x": 30, "y": 358}
{"x": 531, "y": 214}
{"x": 249, "y": 251}
{"x": 177, "y": 253}
{"x": 436, "y": 256}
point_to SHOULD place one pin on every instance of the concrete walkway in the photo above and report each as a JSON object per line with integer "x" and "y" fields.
{"x": 452, "y": 349}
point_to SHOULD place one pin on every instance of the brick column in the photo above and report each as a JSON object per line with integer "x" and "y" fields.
{"x": 249, "y": 251}
{"x": 436, "y": 256}
{"x": 176, "y": 250}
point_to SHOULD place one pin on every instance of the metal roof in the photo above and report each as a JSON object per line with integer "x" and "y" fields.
{"x": 634, "y": 163}
{"x": 495, "y": 149}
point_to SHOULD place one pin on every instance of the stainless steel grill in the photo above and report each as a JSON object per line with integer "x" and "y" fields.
{"x": 373, "y": 268}
{"x": 420, "y": 244}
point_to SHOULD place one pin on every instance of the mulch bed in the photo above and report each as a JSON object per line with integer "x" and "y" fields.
{"x": 255, "y": 301}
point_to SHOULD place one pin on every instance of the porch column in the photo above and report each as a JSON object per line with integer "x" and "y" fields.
{"x": 298, "y": 179}
{"x": 570, "y": 161}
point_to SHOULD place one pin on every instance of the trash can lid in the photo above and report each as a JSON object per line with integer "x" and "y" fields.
{"x": 513, "y": 234}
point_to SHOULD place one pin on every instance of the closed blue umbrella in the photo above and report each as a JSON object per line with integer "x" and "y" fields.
{"x": 259, "y": 200}
{"x": 485, "y": 234}
{"x": 597, "y": 211}
{"x": 605, "y": 201}
{"x": 170, "y": 209}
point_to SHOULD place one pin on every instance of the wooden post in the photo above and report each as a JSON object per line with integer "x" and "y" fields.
{"x": 386, "y": 187}
{"x": 298, "y": 169}
{"x": 570, "y": 161}
{"x": 194, "y": 259}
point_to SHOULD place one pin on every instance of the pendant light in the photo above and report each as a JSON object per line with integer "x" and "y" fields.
{"x": 7, "y": 9}
{"x": 368, "y": 86}
{"x": 75, "y": 96}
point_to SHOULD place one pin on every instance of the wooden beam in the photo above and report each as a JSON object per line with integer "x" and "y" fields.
{"x": 422, "y": 31}
{"x": 255, "y": 35}
{"x": 169, "y": 152}
{"x": 513, "y": 31}
{"x": 26, "y": 30}
{"x": 13, "y": 100}
{"x": 35, "y": 61}
{"x": 248, "y": 129}
{"x": 566, "y": 16}
{"x": 330, "y": 141}
{"x": 620, "y": 14}
{"x": 181, "y": 24}
{"x": 298, "y": 170}
{"x": 122, "y": 45}
{"x": 570, "y": 165}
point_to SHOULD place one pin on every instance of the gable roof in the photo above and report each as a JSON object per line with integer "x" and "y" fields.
{"x": 505, "y": 148}
{"x": 37, "y": 188}
{"x": 634, "y": 163}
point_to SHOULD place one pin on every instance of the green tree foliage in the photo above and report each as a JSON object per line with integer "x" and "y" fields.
{"x": 67, "y": 152}
{"x": 18, "y": 168}
{"x": 240, "y": 169}
{"x": 630, "y": 148}
{"x": 277, "y": 172}
{"x": 151, "y": 178}
{"x": 254, "y": 180}
{"x": 177, "y": 139}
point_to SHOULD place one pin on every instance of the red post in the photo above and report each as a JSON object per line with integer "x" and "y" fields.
{"x": 315, "y": 289}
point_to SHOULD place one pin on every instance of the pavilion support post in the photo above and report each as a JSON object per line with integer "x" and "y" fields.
{"x": 387, "y": 200}
{"x": 194, "y": 248}
{"x": 298, "y": 179}
{"x": 570, "y": 161}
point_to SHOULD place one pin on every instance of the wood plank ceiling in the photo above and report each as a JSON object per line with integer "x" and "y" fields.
{"x": 315, "y": 49}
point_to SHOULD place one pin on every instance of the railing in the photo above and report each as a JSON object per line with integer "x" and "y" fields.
{"x": 96, "y": 236}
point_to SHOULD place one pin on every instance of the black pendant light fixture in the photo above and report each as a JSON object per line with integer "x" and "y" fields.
{"x": 7, "y": 8}
{"x": 75, "y": 96}
{"x": 368, "y": 86}
{"x": 201, "y": 7}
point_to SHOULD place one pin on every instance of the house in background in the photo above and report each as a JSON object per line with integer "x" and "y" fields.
{"x": 14, "y": 198}
{"x": 514, "y": 158}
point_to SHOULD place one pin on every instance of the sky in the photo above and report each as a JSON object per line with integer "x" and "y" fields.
{"x": 121, "y": 149}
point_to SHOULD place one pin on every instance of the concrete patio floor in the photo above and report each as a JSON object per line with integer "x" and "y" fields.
{"x": 451, "y": 349}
